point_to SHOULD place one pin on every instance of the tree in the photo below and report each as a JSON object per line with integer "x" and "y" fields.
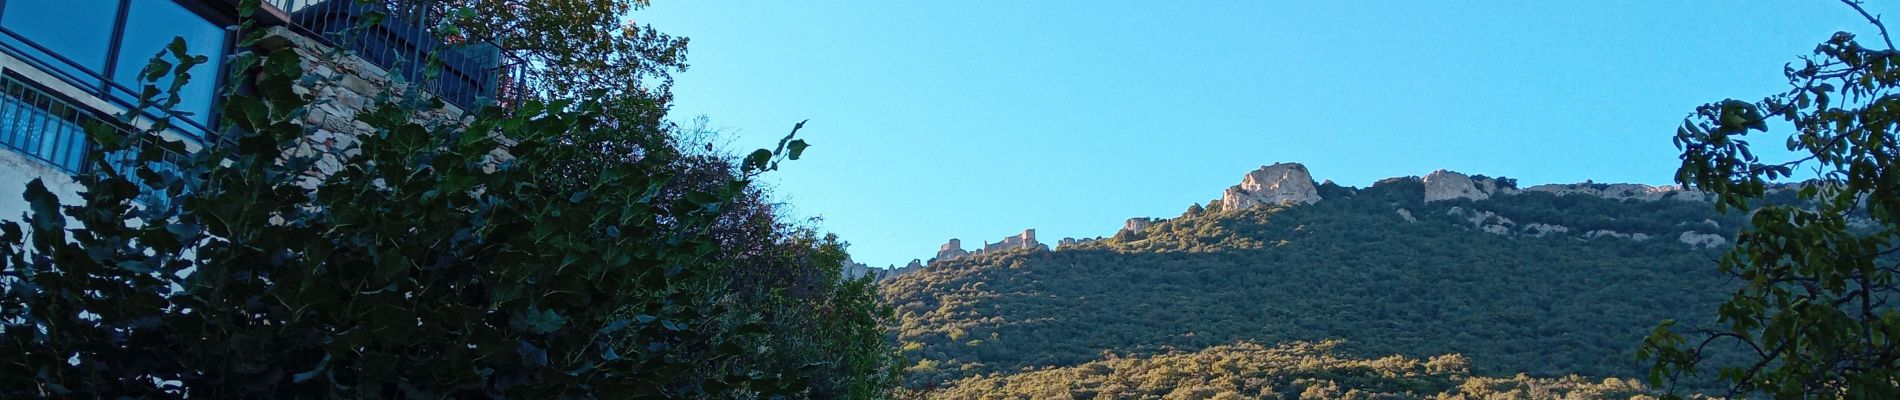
{"x": 1816, "y": 276}
{"x": 426, "y": 266}
{"x": 572, "y": 47}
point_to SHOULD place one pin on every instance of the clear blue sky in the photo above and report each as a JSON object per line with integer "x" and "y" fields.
{"x": 932, "y": 120}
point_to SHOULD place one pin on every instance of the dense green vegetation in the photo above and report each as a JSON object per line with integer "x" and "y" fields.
{"x": 600, "y": 257}
{"x": 1297, "y": 370}
{"x": 1347, "y": 267}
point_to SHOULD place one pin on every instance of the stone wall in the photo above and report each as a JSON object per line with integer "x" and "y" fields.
{"x": 343, "y": 86}
{"x": 951, "y": 251}
{"x": 1022, "y": 241}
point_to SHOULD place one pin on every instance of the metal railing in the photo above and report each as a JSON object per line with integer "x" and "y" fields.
{"x": 397, "y": 35}
{"x": 44, "y": 127}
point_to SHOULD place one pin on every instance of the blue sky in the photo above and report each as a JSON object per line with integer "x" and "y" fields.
{"x": 977, "y": 119}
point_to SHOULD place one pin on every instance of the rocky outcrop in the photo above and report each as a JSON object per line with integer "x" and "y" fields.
{"x": 1480, "y": 217}
{"x": 1702, "y": 240}
{"x": 1499, "y": 185}
{"x": 1622, "y": 191}
{"x": 1539, "y": 230}
{"x": 853, "y": 269}
{"x": 1393, "y": 180}
{"x": 1606, "y": 233}
{"x": 1486, "y": 221}
{"x": 1069, "y": 241}
{"x": 1286, "y": 184}
{"x": 1446, "y": 185}
{"x": 1277, "y": 184}
{"x": 1136, "y": 225}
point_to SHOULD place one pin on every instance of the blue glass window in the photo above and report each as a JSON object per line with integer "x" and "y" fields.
{"x": 150, "y": 26}
{"x": 77, "y": 32}
{"x": 75, "y": 39}
{"x": 99, "y": 46}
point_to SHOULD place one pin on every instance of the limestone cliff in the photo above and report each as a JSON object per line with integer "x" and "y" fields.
{"x": 1446, "y": 185}
{"x": 1277, "y": 184}
{"x": 1620, "y": 191}
{"x": 1698, "y": 239}
{"x": 1291, "y": 184}
{"x": 1069, "y": 241}
{"x": 1136, "y": 225}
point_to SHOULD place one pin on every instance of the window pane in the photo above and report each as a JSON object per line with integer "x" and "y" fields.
{"x": 79, "y": 30}
{"x": 149, "y": 27}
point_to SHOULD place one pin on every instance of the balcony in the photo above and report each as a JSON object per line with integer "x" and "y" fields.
{"x": 74, "y": 61}
{"x": 43, "y": 127}
{"x": 397, "y": 36}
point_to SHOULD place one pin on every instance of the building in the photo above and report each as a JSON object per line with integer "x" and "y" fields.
{"x": 69, "y": 64}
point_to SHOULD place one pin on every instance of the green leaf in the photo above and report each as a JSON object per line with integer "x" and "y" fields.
{"x": 757, "y": 160}
{"x": 544, "y": 321}
{"x": 177, "y": 47}
{"x": 797, "y": 147}
{"x": 156, "y": 69}
{"x": 45, "y": 206}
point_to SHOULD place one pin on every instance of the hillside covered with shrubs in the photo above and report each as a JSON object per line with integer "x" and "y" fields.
{"x": 1298, "y": 370}
{"x": 1350, "y": 267}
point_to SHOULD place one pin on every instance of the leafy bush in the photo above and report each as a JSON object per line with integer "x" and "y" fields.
{"x": 1305, "y": 370}
{"x": 557, "y": 250}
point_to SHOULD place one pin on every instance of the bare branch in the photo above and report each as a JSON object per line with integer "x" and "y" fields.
{"x": 1872, "y": 19}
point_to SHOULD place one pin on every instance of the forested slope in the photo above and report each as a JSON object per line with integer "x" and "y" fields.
{"x": 1349, "y": 267}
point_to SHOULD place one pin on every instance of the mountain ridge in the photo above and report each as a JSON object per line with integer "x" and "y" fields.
{"x": 1551, "y": 281}
{"x": 1291, "y": 183}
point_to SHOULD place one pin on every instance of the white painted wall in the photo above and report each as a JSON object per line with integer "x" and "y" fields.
{"x": 16, "y": 170}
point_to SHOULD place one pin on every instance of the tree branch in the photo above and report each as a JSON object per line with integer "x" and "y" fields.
{"x": 1872, "y": 19}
